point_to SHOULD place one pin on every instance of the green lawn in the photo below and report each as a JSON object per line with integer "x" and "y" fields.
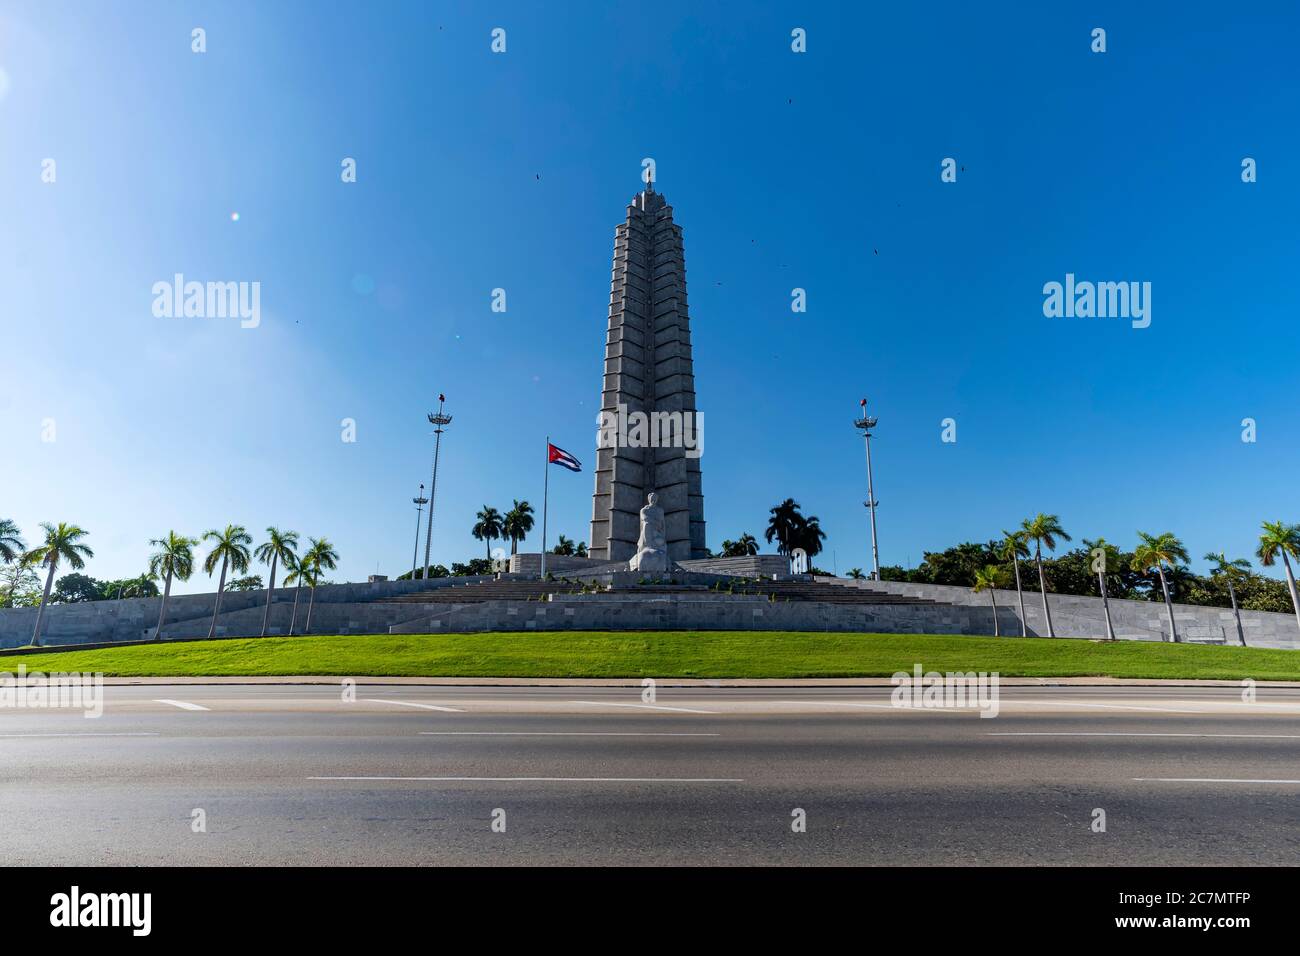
{"x": 667, "y": 654}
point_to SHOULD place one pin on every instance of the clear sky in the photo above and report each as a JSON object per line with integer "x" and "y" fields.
{"x": 818, "y": 170}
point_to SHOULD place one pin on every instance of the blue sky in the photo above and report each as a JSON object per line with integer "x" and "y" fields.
{"x": 478, "y": 170}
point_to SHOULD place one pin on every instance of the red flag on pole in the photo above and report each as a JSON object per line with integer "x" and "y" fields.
{"x": 558, "y": 456}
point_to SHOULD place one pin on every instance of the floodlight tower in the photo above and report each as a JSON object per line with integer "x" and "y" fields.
{"x": 419, "y": 501}
{"x": 438, "y": 420}
{"x": 865, "y": 424}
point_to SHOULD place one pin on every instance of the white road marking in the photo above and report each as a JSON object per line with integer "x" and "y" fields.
{"x": 1215, "y": 707}
{"x": 90, "y": 734}
{"x": 552, "y": 779}
{"x": 411, "y": 703}
{"x": 182, "y": 704}
{"x": 551, "y": 733}
{"x": 852, "y": 703}
{"x": 1207, "y": 780}
{"x": 610, "y": 703}
{"x": 1079, "y": 703}
{"x": 1082, "y": 734}
{"x": 1003, "y": 702}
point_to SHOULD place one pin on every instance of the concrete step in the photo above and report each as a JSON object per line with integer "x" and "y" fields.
{"x": 774, "y": 591}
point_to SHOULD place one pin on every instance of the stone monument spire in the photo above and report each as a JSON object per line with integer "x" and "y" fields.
{"x": 648, "y": 370}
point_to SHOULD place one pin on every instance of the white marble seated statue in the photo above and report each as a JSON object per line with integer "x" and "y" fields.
{"x": 652, "y": 545}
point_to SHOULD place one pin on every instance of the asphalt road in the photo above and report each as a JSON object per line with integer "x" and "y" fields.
{"x": 590, "y": 775}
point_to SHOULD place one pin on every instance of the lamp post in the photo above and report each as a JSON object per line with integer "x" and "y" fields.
{"x": 865, "y": 424}
{"x": 419, "y": 501}
{"x": 438, "y": 420}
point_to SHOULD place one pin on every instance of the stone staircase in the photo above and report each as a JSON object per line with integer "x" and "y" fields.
{"x": 833, "y": 593}
{"x": 504, "y": 590}
{"x": 775, "y": 591}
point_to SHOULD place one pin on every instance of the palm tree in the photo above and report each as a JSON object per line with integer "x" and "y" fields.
{"x": 990, "y": 578}
{"x": 565, "y": 546}
{"x": 11, "y": 542}
{"x": 1012, "y": 549}
{"x": 1155, "y": 551}
{"x": 279, "y": 546}
{"x": 518, "y": 522}
{"x": 231, "y": 548}
{"x": 1283, "y": 539}
{"x": 298, "y": 572}
{"x": 1107, "y": 560}
{"x": 320, "y": 556}
{"x": 488, "y": 527}
{"x": 809, "y": 536}
{"x": 783, "y": 525}
{"x": 581, "y": 552}
{"x": 62, "y": 543}
{"x": 174, "y": 558}
{"x": 856, "y": 574}
{"x": 1043, "y": 530}
{"x": 1233, "y": 572}
{"x": 744, "y": 546}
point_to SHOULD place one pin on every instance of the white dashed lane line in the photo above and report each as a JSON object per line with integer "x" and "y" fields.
{"x": 544, "y": 779}
{"x": 846, "y": 703}
{"x": 1207, "y": 780}
{"x": 1099, "y": 734}
{"x": 553, "y": 733}
{"x": 182, "y": 704}
{"x": 610, "y": 703}
{"x": 1004, "y": 704}
{"x": 412, "y": 703}
{"x": 87, "y": 734}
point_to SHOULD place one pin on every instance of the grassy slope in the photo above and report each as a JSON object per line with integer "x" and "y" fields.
{"x": 667, "y": 654}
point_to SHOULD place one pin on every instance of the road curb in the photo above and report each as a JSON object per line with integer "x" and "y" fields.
{"x": 668, "y": 681}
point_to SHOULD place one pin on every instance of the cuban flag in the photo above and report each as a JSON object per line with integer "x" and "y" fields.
{"x": 558, "y": 456}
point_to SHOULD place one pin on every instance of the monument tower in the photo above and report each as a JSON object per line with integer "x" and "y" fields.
{"x": 648, "y": 369}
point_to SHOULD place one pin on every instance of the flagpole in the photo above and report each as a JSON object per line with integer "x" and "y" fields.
{"x": 546, "y": 492}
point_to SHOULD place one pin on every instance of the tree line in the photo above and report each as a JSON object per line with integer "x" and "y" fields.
{"x": 788, "y": 527}
{"x": 491, "y": 525}
{"x": 1154, "y": 570}
{"x": 230, "y": 550}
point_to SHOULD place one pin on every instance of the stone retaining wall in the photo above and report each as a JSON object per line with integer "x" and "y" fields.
{"x": 531, "y": 563}
{"x": 361, "y": 608}
{"x": 720, "y": 614}
{"x": 134, "y": 619}
{"x": 750, "y": 566}
{"x": 1076, "y": 615}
